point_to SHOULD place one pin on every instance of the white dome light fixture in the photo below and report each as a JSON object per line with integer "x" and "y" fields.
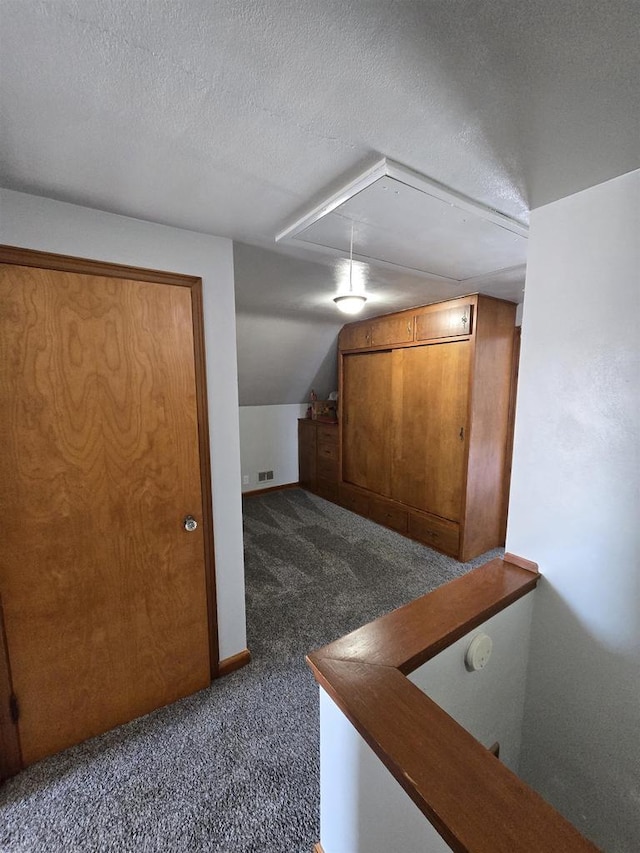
{"x": 352, "y": 301}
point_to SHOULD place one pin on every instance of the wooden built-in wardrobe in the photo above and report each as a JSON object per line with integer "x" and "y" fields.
{"x": 425, "y": 421}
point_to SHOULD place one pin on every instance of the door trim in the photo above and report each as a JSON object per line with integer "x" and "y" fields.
{"x": 85, "y": 266}
{"x": 10, "y": 750}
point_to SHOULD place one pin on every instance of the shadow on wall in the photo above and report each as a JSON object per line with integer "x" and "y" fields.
{"x": 281, "y": 359}
{"x": 572, "y": 753}
{"x": 326, "y": 378}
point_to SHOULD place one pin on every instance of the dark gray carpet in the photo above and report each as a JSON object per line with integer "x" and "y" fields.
{"x": 235, "y": 767}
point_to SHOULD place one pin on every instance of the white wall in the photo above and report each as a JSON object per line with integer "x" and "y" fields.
{"x": 363, "y": 809}
{"x": 281, "y": 359}
{"x": 269, "y": 442}
{"x": 46, "y": 225}
{"x": 575, "y": 508}
{"x": 488, "y": 703}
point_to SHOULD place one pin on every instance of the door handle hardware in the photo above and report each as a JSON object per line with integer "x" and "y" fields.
{"x": 461, "y": 433}
{"x": 190, "y": 523}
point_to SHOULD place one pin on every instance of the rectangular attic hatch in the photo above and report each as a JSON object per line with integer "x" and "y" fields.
{"x": 404, "y": 220}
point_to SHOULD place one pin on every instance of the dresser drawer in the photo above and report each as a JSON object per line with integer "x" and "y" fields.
{"x": 328, "y": 435}
{"x": 388, "y": 514}
{"x": 327, "y": 469}
{"x": 327, "y": 490}
{"x": 327, "y": 450}
{"x": 441, "y": 534}
{"x": 355, "y": 501}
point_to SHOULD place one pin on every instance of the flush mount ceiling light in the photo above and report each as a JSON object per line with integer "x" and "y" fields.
{"x": 351, "y": 301}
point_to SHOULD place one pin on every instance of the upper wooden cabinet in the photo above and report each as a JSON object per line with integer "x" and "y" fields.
{"x": 393, "y": 329}
{"x": 355, "y": 336}
{"x": 425, "y": 403}
{"x": 441, "y": 321}
{"x": 384, "y": 331}
{"x": 444, "y": 321}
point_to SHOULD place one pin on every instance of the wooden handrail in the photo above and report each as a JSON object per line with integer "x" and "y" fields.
{"x": 473, "y": 800}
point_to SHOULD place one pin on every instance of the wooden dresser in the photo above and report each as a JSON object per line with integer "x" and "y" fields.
{"x": 318, "y": 457}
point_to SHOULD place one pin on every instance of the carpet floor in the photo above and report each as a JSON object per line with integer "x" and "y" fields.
{"x": 234, "y": 768}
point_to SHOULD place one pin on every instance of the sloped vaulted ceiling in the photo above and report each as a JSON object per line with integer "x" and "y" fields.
{"x": 232, "y": 117}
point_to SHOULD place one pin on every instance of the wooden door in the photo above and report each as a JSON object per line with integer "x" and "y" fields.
{"x": 430, "y": 391}
{"x": 104, "y": 591}
{"x": 366, "y": 424}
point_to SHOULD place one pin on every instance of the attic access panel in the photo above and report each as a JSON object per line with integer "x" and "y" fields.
{"x": 402, "y": 219}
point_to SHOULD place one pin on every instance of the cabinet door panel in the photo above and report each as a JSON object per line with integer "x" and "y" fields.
{"x": 357, "y": 336}
{"x": 444, "y": 322}
{"x": 430, "y": 390}
{"x": 392, "y": 330}
{"x": 366, "y": 448}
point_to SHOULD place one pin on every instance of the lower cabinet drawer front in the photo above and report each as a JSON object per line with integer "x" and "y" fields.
{"x": 444, "y": 535}
{"x": 327, "y": 469}
{"x": 327, "y": 490}
{"x": 354, "y": 501}
{"x": 327, "y": 450}
{"x": 388, "y": 514}
{"x": 328, "y": 435}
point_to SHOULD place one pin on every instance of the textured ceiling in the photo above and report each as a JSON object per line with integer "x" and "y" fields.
{"x": 230, "y": 116}
{"x": 233, "y": 117}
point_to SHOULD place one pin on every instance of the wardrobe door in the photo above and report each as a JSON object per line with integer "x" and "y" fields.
{"x": 430, "y": 392}
{"x": 366, "y": 420}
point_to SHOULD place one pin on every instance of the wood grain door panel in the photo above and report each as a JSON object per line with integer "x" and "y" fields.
{"x": 430, "y": 392}
{"x": 355, "y": 336}
{"x": 104, "y": 591}
{"x": 366, "y": 448}
{"x": 444, "y": 322}
{"x": 396, "y": 329}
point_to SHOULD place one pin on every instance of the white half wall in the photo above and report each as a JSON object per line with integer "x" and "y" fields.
{"x": 488, "y": 703}
{"x": 269, "y": 442}
{"x": 575, "y": 508}
{"x": 363, "y": 809}
{"x": 46, "y": 225}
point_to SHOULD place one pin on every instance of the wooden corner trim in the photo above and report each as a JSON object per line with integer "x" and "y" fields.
{"x": 231, "y": 664}
{"x": 411, "y": 635}
{"x": 528, "y": 565}
{"x": 317, "y": 848}
{"x": 10, "y": 749}
{"x": 438, "y": 763}
{"x": 87, "y": 266}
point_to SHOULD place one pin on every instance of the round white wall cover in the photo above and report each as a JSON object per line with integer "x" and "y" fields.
{"x": 479, "y": 652}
